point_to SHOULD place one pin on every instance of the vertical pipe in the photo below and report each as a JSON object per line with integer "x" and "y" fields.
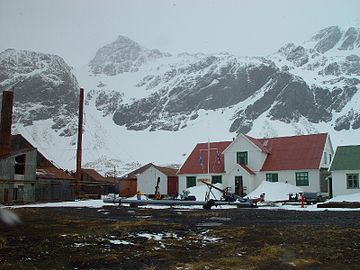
{"x": 79, "y": 143}
{"x": 208, "y": 156}
{"x": 6, "y": 121}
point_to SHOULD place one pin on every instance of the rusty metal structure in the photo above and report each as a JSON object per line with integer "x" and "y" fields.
{"x": 17, "y": 167}
{"x": 79, "y": 143}
{"x": 6, "y": 121}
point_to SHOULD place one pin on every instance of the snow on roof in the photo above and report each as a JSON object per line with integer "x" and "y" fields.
{"x": 53, "y": 173}
{"x": 274, "y": 191}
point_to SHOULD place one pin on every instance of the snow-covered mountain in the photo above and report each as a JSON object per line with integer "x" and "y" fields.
{"x": 122, "y": 55}
{"x": 44, "y": 87}
{"x": 144, "y": 105}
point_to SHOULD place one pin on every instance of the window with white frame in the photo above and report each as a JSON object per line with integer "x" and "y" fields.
{"x": 352, "y": 180}
{"x": 242, "y": 158}
{"x": 302, "y": 178}
{"x": 272, "y": 177}
{"x": 216, "y": 179}
{"x": 190, "y": 181}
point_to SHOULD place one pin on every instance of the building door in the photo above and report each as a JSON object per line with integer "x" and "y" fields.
{"x": 330, "y": 187}
{"x": 173, "y": 185}
{"x": 239, "y": 186}
{"x": 6, "y": 195}
{"x": 15, "y": 194}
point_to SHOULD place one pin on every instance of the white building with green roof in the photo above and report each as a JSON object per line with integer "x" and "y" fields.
{"x": 345, "y": 170}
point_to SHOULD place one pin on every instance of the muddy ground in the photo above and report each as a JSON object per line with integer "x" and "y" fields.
{"x": 126, "y": 238}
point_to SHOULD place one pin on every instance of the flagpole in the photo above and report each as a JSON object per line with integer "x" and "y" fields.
{"x": 209, "y": 160}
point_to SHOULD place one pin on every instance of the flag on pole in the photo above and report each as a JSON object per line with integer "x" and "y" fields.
{"x": 218, "y": 156}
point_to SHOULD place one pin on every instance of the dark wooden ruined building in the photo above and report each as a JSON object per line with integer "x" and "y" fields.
{"x": 93, "y": 184}
{"x": 27, "y": 176}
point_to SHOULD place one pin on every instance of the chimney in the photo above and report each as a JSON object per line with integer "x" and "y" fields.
{"x": 79, "y": 144}
{"x": 6, "y": 121}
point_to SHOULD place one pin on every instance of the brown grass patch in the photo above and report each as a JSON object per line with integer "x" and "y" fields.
{"x": 267, "y": 255}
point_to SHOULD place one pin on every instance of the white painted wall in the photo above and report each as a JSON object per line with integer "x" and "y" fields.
{"x": 146, "y": 181}
{"x": 328, "y": 152}
{"x": 248, "y": 180}
{"x": 256, "y": 157}
{"x": 251, "y": 182}
{"x": 290, "y": 177}
{"x": 182, "y": 180}
{"x": 339, "y": 185}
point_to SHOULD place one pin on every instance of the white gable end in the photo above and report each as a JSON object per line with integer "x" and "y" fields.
{"x": 256, "y": 157}
{"x": 328, "y": 154}
{"x": 147, "y": 180}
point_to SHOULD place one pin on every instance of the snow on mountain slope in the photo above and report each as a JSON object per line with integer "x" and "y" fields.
{"x": 147, "y": 106}
{"x": 44, "y": 88}
{"x": 122, "y": 55}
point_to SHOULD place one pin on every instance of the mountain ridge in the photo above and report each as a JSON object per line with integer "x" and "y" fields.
{"x": 143, "y": 94}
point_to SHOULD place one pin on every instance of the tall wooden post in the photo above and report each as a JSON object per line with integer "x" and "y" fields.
{"x": 79, "y": 143}
{"x": 5, "y": 123}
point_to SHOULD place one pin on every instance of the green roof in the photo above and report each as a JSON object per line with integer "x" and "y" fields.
{"x": 346, "y": 158}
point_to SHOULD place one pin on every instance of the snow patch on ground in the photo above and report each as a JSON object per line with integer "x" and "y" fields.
{"x": 120, "y": 242}
{"x": 346, "y": 198}
{"x": 85, "y": 203}
{"x": 274, "y": 191}
{"x": 200, "y": 192}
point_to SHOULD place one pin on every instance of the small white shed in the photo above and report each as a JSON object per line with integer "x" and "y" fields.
{"x": 152, "y": 175}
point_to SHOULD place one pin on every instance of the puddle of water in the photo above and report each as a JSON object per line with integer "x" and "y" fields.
{"x": 220, "y": 218}
{"x": 209, "y": 224}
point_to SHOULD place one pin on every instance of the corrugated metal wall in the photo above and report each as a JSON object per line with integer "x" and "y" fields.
{"x": 127, "y": 188}
{"x": 54, "y": 190}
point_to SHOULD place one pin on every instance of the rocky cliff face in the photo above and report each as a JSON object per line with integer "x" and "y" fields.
{"x": 122, "y": 55}
{"x": 209, "y": 83}
{"x": 44, "y": 88}
{"x": 315, "y": 80}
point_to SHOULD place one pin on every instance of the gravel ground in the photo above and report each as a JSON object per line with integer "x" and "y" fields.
{"x": 139, "y": 238}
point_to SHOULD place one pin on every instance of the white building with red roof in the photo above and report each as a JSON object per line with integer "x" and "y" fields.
{"x": 244, "y": 163}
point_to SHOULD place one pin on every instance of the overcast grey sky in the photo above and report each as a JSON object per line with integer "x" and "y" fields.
{"x": 76, "y": 29}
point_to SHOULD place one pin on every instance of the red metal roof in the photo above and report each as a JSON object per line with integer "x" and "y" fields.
{"x": 133, "y": 175}
{"x": 53, "y": 173}
{"x": 94, "y": 175}
{"x": 294, "y": 153}
{"x": 168, "y": 171}
{"x": 263, "y": 144}
{"x": 197, "y": 162}
{"x": 283, "y": 153}
{"x": 17, "y": 152}
{"x": 246, "y": 168}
